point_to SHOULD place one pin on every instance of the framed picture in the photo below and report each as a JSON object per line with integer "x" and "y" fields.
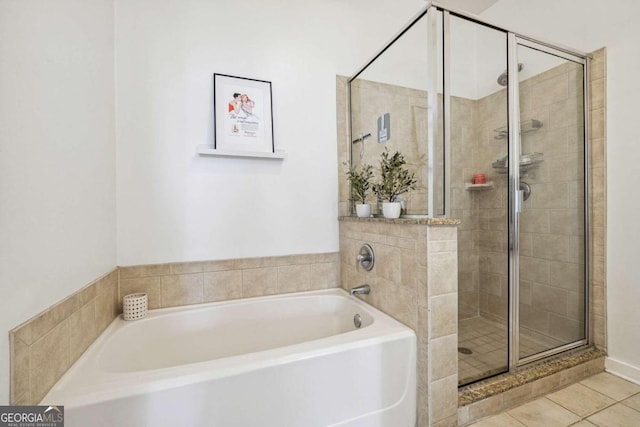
{"x": 243, "y": 118}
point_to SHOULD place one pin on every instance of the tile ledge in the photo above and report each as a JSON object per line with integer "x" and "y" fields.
{"x": 411, "y": 220}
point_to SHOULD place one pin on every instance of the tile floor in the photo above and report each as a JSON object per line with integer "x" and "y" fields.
{"x": 603, "y": 400}
{"x": 488, "y": 342}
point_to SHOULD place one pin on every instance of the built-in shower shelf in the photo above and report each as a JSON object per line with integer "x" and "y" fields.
{"x": 208, "y": 150}
{"x": 525, "y": 127}
{"x": 479, "y": 187}
{"x": 527, "y": 161}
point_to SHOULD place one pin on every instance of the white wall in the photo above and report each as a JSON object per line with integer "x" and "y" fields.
{"x": 173, "y": 205}
{"x": 57, "y": 172}
{"x": 589, "y": 25}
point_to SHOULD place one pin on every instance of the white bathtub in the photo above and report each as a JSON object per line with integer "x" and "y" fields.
{"x": 282, "y": 361}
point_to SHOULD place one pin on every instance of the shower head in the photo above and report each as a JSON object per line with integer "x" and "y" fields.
{"x": 503, "y": 78}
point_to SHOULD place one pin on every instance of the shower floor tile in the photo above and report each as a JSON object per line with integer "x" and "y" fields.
{"x": 488, "y": 342}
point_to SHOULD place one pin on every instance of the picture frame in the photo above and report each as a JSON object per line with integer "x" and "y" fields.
{"x": 243, "y": 114}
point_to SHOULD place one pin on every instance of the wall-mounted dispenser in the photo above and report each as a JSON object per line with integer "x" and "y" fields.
{"x": 384, "y": 128}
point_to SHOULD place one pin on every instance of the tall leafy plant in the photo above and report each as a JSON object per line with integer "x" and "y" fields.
{"x": 360, "y": 179}
{"x": 395, "y": 178}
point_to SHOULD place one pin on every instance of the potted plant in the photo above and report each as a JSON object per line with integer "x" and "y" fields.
{"x": 395, "y": 179}
{"x": 360, "y": 179}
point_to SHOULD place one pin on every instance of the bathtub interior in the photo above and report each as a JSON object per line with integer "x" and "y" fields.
{"x": 216, "y": 331}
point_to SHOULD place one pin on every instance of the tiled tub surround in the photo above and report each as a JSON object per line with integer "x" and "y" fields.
{"x": 174, "y": 284}
{"x": 421, "y": 294}
{"x": 43, "y": 348}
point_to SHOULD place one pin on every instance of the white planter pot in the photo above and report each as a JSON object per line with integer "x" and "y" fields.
{"x": 391, "y": 209}
{"x": 363, "y": 210}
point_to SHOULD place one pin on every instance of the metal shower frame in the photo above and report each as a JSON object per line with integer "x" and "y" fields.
{"x": 437, "y": 65}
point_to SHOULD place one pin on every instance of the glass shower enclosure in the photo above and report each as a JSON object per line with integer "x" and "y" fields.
{"x": 459, "y": 98}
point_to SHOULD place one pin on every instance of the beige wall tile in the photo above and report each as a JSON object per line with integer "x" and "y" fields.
{"x": 221, "y": 265}
{"x": 149, "y": 285}
{"x": 187, "y": 267}
{"x": 444, "y": 398}
{"x": 222, "y": 285}
{"x": 436, "y": 233}
{"x": 442, "y": 273}
{"x": 551, "y": 247}
{"x": 444, "y": 315}
{"x": 49, "y": 360}
{"x": 151, "y": 270}
{"x": 388, "y": 263}
{"x": 88, "y": 293}
{"x": 293, "y": 278}
{"x": 23, "y": 400}
{"x": 324, "y": 275}
{"x": 549, "y": 298}
{"x": 451, "y": 421}
{"x": 517, "y": 396}
{"x": 259, "y": 281}
{"x": 565, "y": 329}
{"x": 444, "y": 357}
{"x": 483, "y": 408}
{"x": 19, "y": 368}
{"x": 39, "y": 325}
{"x": 182, "y": 289}
{"x": 546, "y": 385}
{"x": 534, "y": 270}
{"x": 104, "y": 307}
{"x": 243, "y": 263}
{"x": 82, "y": 330}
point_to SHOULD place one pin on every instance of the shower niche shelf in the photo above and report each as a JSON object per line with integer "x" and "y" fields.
{"x": 527, "y": 162}
{"x": 525, "y": 127}
{"x": 479, "y": 187}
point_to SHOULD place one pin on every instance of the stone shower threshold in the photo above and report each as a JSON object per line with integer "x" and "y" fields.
{"x": 527, "y": 374}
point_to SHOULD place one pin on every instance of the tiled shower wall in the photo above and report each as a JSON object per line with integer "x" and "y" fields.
{"x": 465, "y": 204}
{"x": 45, "y": 347}
{"x": 552, "y": 226}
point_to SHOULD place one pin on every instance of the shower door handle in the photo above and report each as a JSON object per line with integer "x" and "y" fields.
{"x": 519, "y": 200}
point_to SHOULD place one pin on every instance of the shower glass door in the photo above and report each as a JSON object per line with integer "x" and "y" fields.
{"x": 479, "y": 145}
{"x": 551, "y": 251}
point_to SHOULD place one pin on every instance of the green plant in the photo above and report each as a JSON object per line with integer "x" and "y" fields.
{"x": 360, "y": 179}
{"x": 395, "y": 178}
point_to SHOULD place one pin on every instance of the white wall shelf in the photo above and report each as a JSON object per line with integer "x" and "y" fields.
{"x": 479, "y": 187}
{"x": 208, "y": 150}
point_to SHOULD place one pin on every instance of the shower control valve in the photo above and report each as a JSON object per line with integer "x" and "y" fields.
{"x": 366, "y": 258}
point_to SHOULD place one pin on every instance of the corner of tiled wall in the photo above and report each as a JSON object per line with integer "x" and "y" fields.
{"x": 442, "y": 279}
{"x": 598, "y": 193}
{"x": 44, "y": 347}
